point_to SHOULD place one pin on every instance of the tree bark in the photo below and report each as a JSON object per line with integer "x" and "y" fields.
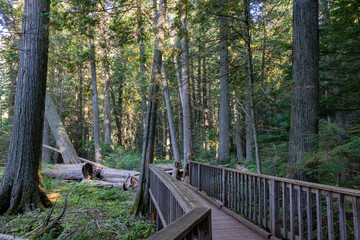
{"x": 250, "y": 80}
{"x": 21, "y": 188}
{"x": 67, "y": 150}
{"x": 224, "y": 123}
{"x": 185, "y": 87}
{"x": 305, "y": 86}
{"x": 107, "y": 107}
{"x": 96, "y": 129}
{"x": 142, "y": 198}
{"x": 174, "y": 144}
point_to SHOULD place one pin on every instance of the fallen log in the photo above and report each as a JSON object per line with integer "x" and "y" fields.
{"x": 6, "y": 237}
{"x": 78, "y": 172}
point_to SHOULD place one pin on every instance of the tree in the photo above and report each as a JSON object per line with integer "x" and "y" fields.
{"x": 305, "y": 85}
{"x": 97, "y": 146}
{"x": 21, "y": 186}
{"x": 142, "y": 198}
{"x": 185, "y": 86}
{"x": 224, "y": 113}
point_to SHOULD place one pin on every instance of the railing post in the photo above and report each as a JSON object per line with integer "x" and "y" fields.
{"x": 274, "y": 208}
{"x": 224, "y": 187}
{"x": 199, "y": 176}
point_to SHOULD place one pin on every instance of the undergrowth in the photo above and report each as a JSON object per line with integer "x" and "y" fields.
{"x": 92, "y": 213}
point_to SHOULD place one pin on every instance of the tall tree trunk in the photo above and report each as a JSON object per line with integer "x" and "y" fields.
{"x": 67, "y": 150}
{"x": 142, "y": 52}
{"x": 224, "y": 125}
{"x": 97, "y": 146}
{"x": 21, "y": 187}
{"x": 81, "y": 130}
{"x": 174, "y": 144}
{"x": 142, "y": 198}
{"x": 185, "y": 86}
{"x": 305, "y": 86}
{"x": 251, "y": 107}
{"x": 107, "y": 107}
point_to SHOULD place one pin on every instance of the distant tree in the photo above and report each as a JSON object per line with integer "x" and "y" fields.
{"x": 224, "y": 112}
{"x": 305, "y": 86}
{"x": 21, "y": 187}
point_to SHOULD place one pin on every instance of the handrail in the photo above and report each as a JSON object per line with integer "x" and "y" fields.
{"x": 288, "y": 208}
{"x": 178, "y": 212}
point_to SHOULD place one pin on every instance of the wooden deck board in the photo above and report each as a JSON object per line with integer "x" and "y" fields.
{"x": 225, "y": 227}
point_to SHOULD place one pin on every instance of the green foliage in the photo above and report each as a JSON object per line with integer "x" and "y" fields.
{"x": 119, "y": 158}
{"x": 92, "y": 213}
{"x": 336, "y": 160}
{"x": 4, "y": 144}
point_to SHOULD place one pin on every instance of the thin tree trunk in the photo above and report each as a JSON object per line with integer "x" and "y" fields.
{"x": 237, "y": 132}
{"x": 224, "y": 113}
{"x": 97, "y": 146}
{"x": 81, "y": 136}
{"x": 107, "y": 107}
{"x": 142, "y": 198}
{"x": 250, "y": 86}
{"x": 305, "y": 87}
{"x": 21, "y": 187}
{"x": 46, "y": 154}
{"x": 185, "y": 85}
{"x": 174, "y": 144}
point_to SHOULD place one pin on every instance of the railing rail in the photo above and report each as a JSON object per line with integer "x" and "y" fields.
{"x": 287, "y": 208}
{"x": 177, "y": 211}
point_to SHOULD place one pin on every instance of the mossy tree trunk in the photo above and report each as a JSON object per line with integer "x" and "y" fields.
{"x": 21, "y": 188}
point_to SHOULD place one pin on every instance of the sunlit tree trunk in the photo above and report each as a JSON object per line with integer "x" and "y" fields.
{"x": 174, "y": 144}
{"x": 185, "y": 86}
{"x": 305, "y": 86}
{"x": 21, "y": 187}
{"x": 142, "y": 198}
{"x": 96, "y": 128}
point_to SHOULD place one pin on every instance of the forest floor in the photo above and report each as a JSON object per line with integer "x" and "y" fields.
{"x": 91, "y": 213}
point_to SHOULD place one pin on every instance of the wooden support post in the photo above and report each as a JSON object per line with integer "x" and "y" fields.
{"x": 274, "y": 208}
{"x": 309, "y": 213}
{"x": 199, "y": 176}
{"x": 292, "y": 212}
{"x": 224, "y": 187}
{"x": 342, "y": 217}
{"x": 330, "y": 217}
{"x": 300, "y": 213}
{"x": 318, "y": 215}
{"x": 356, "y": 217}
{"x": 284, "y": 206}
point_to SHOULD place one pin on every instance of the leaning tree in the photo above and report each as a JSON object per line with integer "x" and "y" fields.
{"x": 21, "y": 188}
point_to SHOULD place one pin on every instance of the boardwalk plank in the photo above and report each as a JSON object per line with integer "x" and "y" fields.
{"x": 225, "y": 227}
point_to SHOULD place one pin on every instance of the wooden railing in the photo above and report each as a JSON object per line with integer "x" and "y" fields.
{"x": 287, "y": 208}
{"x": 178, "y": 212}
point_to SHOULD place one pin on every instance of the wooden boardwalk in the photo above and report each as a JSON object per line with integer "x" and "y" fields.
{"x": 226, "y": 227}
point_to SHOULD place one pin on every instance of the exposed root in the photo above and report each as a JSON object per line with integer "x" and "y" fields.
{"x": 52, "y": 226}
